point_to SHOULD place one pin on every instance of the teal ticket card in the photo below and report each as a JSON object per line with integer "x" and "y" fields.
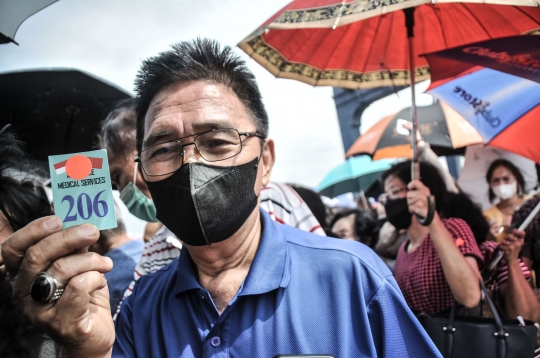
{"x": 82, "y": 190}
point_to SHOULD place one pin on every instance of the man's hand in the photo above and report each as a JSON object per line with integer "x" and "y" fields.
{"x": 512, "y": 245}
{"x": 80, "y": 320}
{"x": 417, "y": 198}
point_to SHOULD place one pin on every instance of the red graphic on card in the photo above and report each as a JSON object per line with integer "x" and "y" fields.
{"x": 78, "y": 164}
{"x": 78, "y": 167}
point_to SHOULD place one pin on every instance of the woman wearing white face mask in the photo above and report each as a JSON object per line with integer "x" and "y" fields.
{"x": 506, "y": 184}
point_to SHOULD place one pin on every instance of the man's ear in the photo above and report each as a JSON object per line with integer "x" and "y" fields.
{"x": 140, "y": 169}
{"x": 267, "y": 160}
{"x": 140, "y": 181}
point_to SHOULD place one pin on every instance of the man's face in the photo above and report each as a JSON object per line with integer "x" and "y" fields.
{"x": 122, "y": 167}
{"x": 190, "y": 108}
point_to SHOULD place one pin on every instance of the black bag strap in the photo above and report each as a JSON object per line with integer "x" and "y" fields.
{"x": 494, "y": 265}
{"x": 499, "y": 333}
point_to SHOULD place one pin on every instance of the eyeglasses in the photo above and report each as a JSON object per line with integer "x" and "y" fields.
{"x": 212, "y": 146}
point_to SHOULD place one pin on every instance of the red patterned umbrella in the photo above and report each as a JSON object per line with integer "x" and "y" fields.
{"x": 369, "y": 43}
{"x": 363, "y": 44}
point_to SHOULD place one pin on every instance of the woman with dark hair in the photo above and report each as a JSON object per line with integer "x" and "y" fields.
{"x": 22, "y": 200}
{"x": 391, "y": 239}
{"x": 510, "y": 278}
{"x": 506, "y": 184}
{"x": 356, "y": 224}
{"x": 439, "y": 260}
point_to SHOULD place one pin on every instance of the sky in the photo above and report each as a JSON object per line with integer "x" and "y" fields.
{"x": 109, "y": 38}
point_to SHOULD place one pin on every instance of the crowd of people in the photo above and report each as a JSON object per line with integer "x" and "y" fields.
{"x": 236, "y": 265}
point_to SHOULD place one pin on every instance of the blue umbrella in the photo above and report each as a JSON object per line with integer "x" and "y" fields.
{"x": 495, "y": 85}
{"x": 355, "y": 175}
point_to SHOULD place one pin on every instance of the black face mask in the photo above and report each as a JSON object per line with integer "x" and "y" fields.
{"x": 397, "y": 213}
{"x": 202, "y": 204}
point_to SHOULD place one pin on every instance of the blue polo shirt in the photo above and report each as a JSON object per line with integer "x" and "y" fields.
{"x": 304, "y": 294}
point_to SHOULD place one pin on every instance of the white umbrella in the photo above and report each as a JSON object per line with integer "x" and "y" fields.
{"x": 472, "y": 179}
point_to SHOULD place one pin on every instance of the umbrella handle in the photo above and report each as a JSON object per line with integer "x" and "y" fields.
{"x": 426, "y": 221}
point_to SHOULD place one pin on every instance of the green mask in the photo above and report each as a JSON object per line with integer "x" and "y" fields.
{"x": 137, "y": 203}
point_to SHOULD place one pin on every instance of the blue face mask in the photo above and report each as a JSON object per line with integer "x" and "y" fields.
{"x": 137, "y": 203}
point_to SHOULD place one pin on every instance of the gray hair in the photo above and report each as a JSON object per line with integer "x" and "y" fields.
{"x": 119, "y": 129}
{"x": 200, "y": 59}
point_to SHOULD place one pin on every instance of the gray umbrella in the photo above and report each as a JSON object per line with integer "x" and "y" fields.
{"x": 14, "y": 12}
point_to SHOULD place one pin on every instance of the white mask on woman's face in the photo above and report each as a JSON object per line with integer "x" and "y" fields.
{"x": 505, "y": 191}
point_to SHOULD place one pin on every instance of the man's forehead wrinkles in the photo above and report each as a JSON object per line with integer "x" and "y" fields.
{"x": 207, "y": 98}
{"x": 201, "y": 107}
{"x": 210, "y": 110}
{"x": 161, "y": 114}
{"x": 171, "y": 106}
{"x": 191, "y": 109}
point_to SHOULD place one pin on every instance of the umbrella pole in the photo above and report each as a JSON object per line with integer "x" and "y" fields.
{"x": 364, "y": 200}
{"x": 409, "y": 23}
{"x": 415, "y": 166}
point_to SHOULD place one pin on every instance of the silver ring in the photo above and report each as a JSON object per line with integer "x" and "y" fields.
{"x": 46, "y": 288}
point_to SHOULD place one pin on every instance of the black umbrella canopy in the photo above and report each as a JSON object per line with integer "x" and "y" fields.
{"x": 441, "y": 126}
{"x": 55, "y": 111}
{"x": 433, "y": 128}
{"x": 433, "y": 125}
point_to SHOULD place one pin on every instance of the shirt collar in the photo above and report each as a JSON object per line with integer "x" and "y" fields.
{"x": 186, "y": 276}
{"x": 270, "y": 268}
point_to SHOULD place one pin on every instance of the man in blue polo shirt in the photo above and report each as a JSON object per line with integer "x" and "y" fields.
{"x": 245, "y": 286}
{"x": 302, "y": 295}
